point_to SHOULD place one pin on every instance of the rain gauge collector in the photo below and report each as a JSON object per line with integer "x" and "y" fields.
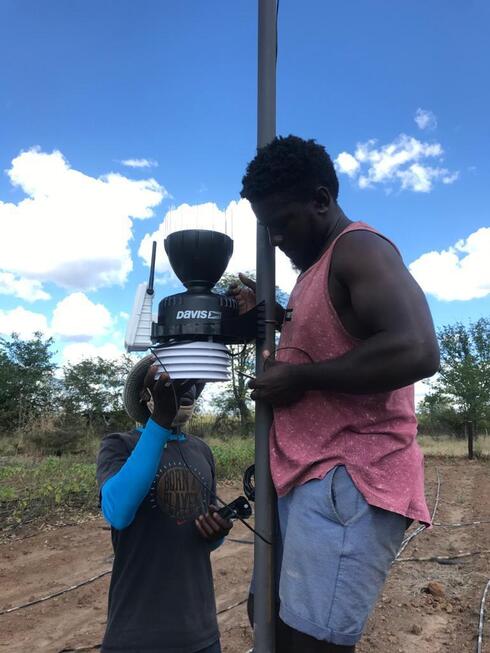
{"x": 193, "y": 328}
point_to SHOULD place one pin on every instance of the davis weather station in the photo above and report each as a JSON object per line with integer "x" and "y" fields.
{"x": 193, "y": 328}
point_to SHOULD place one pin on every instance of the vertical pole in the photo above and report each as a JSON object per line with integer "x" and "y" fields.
{"x": 470, "y": 439}
{"x": 264, "y": 598}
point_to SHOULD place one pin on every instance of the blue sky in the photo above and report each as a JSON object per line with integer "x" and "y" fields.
{"x": 397, "y": 92}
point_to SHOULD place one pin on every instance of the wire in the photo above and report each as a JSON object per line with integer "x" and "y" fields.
{"x": 445, "y": 558}
{"x": 248, "y": 484}
{"x": 232, "y": 539}
{"x": 460, "y": 524}
{"x": 297, "y": 349}
{"x": 223, "y": 503}
{"x": 481, "y": 620}
{"x": 421, "y": 528}
{"x": 89, "y": 647}
{"x": 239, "y": 353}
{"x": 59, "y": 593}
{"x": 234, "y": 605}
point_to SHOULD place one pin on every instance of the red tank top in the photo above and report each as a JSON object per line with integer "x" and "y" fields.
{"x": 373, "y": 435}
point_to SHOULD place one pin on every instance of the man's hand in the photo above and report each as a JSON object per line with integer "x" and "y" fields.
{"x": 212, "y": 526}
{"x": 166, "y": 399}
{"x": 280, "y": 384}
{"x": 244, "y": 294}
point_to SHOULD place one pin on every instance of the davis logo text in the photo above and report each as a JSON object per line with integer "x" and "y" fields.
{"x": 202, "y": 315}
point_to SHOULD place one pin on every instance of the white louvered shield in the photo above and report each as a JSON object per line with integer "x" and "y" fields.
{"x": 206, "y": 361}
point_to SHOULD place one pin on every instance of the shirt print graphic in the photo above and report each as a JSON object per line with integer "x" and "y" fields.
{"x": 178, "y": 493}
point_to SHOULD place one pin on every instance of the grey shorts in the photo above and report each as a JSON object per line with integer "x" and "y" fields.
{"x": 336, "y": 553}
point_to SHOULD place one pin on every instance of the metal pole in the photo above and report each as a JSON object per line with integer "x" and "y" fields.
{"x": 265, "y": 498}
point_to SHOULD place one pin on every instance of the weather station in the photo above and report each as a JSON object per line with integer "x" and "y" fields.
{"x": 193, "y": 328}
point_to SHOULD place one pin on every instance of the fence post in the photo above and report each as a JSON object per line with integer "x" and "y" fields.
{"x": 469, "y": 433}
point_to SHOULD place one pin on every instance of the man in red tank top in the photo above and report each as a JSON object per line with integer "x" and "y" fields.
{"x": 344, "y": 458}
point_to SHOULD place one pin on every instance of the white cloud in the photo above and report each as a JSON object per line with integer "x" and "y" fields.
{"x": 78, "y": 351}
{"x": 72, "y": 229}
{"x": 425, "y": 119}
{"x": 23, "y": 322}
{"x": 140, "y": 163}
{"x": 347, "y": 164}
{"x": 450, "y": 177}
{"x": 28, "y": 289}
{"x": 460, "y": 272}
{"x": 420, "y": 178}
{"x": 399, "y": 163}
{"x": 77, "y": 318}
{"x": 241, "y": 225}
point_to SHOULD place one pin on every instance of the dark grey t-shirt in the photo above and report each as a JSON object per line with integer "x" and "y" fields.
{"x": 161, "y": 596}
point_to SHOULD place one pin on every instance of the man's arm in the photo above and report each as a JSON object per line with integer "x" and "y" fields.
{"x": 401, "y": 345}
{"x": 123, "y": 492}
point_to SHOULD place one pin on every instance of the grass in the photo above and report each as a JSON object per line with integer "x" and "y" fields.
{"x": 232, "y": 456}
{"x": 454, "y": 447}
{"x": 54, "y": 487}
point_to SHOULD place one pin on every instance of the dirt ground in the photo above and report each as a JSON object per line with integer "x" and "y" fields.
{"x": 407, "y": 618}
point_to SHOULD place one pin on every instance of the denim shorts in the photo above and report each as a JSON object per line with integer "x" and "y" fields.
{"x": 336, "y": 553}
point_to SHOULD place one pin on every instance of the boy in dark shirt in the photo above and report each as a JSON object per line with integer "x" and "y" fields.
{"x": 157, "y": 487}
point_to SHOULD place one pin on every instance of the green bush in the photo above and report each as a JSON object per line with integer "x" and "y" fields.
{"x": 232, "y": 457}
{"x": 52, "y": 487}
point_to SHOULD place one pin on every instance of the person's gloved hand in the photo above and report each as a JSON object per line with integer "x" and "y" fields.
{"x": 164, "y": 399}
{"x": 212, "y": 526}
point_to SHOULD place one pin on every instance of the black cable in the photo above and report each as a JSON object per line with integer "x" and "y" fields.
{"x": 248, "y": 483}
{"x": 239, "y": 353}
{"x": 170, "y": 343}
{"x": 238, "y": 541}
{"x": 223, "y": 503}
{"x": 297, "y": 349}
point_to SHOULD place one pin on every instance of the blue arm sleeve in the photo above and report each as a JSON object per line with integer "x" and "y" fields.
{"x": 123, "y": 493}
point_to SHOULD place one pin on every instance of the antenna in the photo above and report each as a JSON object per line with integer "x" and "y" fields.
{"x": 150, "y": 290}
{"x": 138, "y": 330}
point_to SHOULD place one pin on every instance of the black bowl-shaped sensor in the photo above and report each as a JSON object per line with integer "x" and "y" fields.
{"x": 198, "y": 257}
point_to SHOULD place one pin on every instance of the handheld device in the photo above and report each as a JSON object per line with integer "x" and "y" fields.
{"x": 240, "y": 507}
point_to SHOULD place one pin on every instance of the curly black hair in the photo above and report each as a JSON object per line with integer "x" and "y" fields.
{"x": 291, "y": 166}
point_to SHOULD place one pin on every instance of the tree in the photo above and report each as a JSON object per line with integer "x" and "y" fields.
{"x": 437, "y": 416}
{"x": 93, "y": 391}
{"x": 234, "y": 398}
{"x": 28, "y": 386}
{"x": 463, "y": 381}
